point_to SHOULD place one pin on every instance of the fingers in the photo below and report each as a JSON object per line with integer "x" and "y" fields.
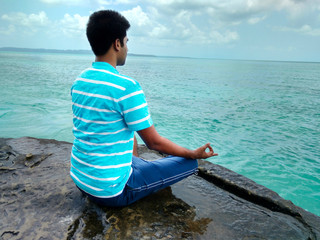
{"x": 211, "y": 153}
{"x": 210, "y": 148}
{"x": 202, "y": 153}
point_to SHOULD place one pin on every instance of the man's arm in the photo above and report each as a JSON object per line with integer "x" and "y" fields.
{"x": 154, "y": 141}
{"x": 135, "y": 147}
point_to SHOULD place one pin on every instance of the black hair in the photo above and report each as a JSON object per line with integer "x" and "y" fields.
{"x": 103, "y": 28}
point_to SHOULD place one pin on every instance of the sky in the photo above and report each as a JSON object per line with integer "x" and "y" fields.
{"x": 285, "y": 30}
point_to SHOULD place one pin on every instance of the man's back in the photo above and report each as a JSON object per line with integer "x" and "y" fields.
{"x": 107, "y": 108}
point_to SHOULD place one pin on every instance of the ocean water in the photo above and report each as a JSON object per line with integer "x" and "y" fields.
{"x": 262, "y": 117}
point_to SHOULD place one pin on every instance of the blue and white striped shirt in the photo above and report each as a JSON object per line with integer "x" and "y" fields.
{"x": 107, "y": 108}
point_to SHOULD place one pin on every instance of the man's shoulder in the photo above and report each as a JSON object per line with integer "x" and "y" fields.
{"x": 128, "y": 82}
{"x": 127, "y": 79}
{"x": 107, "y": 75}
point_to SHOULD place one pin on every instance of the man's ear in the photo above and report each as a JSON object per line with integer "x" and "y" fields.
{"x": 117, "y": 45}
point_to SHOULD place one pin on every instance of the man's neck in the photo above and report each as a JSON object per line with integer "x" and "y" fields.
{"x": 108, "y": 58}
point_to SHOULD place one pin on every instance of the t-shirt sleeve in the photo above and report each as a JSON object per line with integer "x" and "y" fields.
{"x": 135, "y": 109}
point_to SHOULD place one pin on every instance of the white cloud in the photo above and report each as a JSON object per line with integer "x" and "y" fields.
{"x": 69, "y": 2}
{"x": 144, "y": 24}
{"x": 255, "y": 20}
{"x": 8, "y": 30}
{"x": 122, "y": 2}
{"x": 305, "y": 29}
{"x": 86, "y": 2}
{"x": 28, "y": 23}
{"x": 70, "y": 25}
{"x": 226, "y": 37}
{"x": 73, "y": 26}
{"x": 298, "y": 8}
{"x": 185, "y": 26}
{"x": 237, "y": 10}
{"x": 31, "y": 20}
{"x": 159, "y": 31}
{"x": 104, "y": 2}
{"x": 137, "y": 17}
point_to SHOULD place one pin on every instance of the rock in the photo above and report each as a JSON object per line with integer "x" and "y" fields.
{"x": 40, "y": 201}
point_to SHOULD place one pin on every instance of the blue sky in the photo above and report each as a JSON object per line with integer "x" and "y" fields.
{"x": 235, "y": 29}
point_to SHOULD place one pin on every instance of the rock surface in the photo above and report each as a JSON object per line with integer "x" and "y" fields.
{"x": 39, "y": 201}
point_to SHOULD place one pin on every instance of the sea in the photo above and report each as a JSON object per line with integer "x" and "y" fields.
{"x": 262, "y": 117}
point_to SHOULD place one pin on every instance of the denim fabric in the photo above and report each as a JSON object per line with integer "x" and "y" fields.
{"x": 148, "y": 177}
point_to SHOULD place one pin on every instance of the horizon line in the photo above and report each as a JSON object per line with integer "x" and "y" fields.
{"x": 83, "y": 51}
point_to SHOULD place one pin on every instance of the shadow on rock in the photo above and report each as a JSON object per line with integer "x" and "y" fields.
{"x": 159, "y": 216}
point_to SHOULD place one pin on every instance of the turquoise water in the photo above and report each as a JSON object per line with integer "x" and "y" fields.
{"x": 262, "y": 117}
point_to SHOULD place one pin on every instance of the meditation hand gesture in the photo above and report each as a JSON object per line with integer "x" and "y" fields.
{"x": 202, "y": 153}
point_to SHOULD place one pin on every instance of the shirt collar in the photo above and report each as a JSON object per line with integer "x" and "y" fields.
{"x": 105, "y": 66}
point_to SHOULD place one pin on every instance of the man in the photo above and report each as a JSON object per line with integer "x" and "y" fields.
{"x": 108, "y": 108}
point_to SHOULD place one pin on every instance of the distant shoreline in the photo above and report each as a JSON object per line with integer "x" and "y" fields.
{"x": 44, "y": 50}
{"x": 89, "y": 52}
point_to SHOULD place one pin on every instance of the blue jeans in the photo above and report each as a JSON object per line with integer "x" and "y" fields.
{"x": 148, "y": 177}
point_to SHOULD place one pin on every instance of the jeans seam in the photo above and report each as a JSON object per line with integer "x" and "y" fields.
{"x": 167, "y": 180}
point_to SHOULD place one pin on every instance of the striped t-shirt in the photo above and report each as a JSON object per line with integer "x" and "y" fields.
{"x": 107, "y": 108}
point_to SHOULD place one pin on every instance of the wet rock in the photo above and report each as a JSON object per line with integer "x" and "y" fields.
{"x": 39, "y": 201}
